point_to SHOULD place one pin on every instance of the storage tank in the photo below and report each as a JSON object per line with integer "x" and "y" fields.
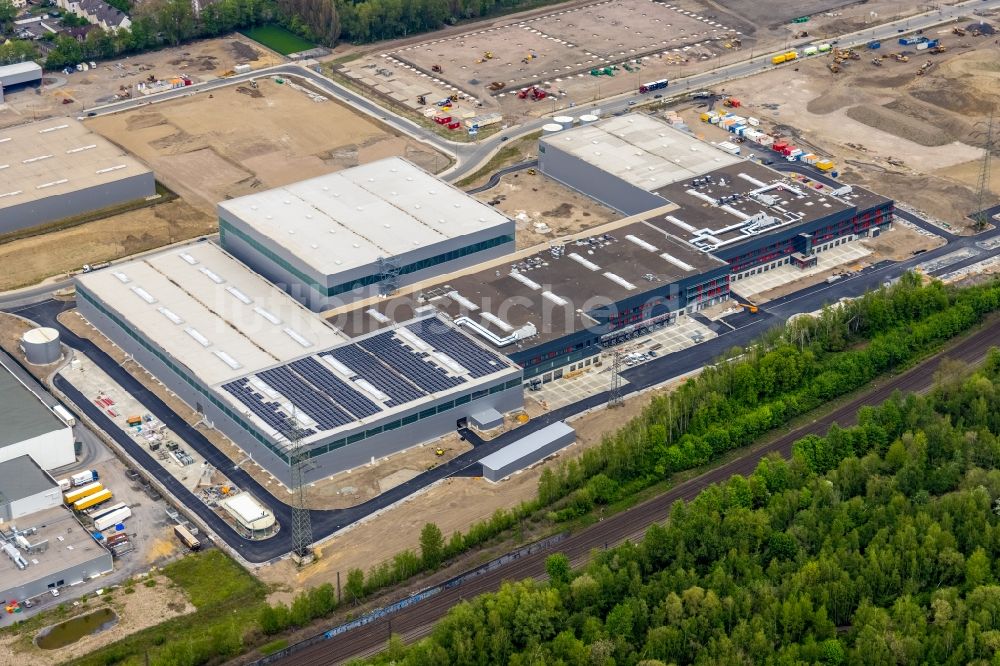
{"x": 551, "y": 128}
{"x": 41, "y": 346}
{"x": 588, "y": 118}
{"x": 565, "y": 121}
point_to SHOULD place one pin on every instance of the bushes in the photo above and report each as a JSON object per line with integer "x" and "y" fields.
{"x": 791, "y": 370}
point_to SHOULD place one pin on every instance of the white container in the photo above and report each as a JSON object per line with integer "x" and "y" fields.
{"x": 551, "y": 128}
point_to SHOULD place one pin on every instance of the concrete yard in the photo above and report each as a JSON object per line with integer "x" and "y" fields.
{"x": 758, "y": 287}
{"x": 195, "y": 147}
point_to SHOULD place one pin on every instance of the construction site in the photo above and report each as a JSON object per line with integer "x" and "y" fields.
{"x": 904, "y": 118}
{"x": 197, "y": 150}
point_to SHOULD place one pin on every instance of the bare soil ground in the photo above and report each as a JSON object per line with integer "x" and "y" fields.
{"x": 543, "y": 209}
{"x": 915, "y": 138}
{"x": 142, "y": 608}
{"x": 453, "y": 504}
{"x": 30, "y": 260}
{"x": 197, "y": 149}
{"x": 203, "y": 60}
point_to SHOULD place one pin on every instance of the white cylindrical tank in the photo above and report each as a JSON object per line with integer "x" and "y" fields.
{"x": 551, "y": 128}
{"x": 41, "y": 346}
{"x": 588, "y": 118}
{"x": 565, "y": 121}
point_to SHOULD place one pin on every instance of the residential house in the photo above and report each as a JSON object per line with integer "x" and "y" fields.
{"x": 98, "y": 12}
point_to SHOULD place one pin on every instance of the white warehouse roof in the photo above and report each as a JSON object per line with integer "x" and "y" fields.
{"x": 18, "y": 69}
{"x": 641, "y": 150}
{"x": 350, "y": 218}
{"x": 211, "y": 312}
{"x": 57, "y": 156}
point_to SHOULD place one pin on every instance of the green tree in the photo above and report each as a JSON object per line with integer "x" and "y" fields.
{"x": 558, "y": 568}
{"x": 354, "y": 588}
{"x": 431, "y": 546}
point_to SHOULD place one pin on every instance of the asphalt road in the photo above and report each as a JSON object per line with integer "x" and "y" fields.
{"x": 417, "y": 619}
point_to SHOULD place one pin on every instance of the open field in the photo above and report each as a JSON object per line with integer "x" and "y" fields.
{"x": 915, "y": 138}
{"x": 277, "y": 39}
{"x": 30, "y": 260}
{"x": 202, "y": 61}
{"x": 196, "y": 147}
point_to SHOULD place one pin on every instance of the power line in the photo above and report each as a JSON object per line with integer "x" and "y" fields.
{"x": 615, "y": 398}
{"x": 298, "y": 457}
{"x": 981, "y": 217}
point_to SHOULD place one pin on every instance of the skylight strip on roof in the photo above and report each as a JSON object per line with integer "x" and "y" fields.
{"x": 496, "y": 321}
{"x": 368, "y": 388}
{"x": 587, "y": 263}
{"x": 211, "y": 275}
{"x": 240, "y": 296}
{"x": 81, "y": 149}
{"x": 295, "y": 335}
{"x": 227, "y": 359}
{"x": 412, "y": 339}
{"x": 143, "y": 294}
{"x": 338, "y": 366}
{"x": 52, "y": 129}
{"x": 619, "y": 280}
{"x": 683, "y": 265}
{"x": 188, "y": 258}
{"x": 110, "y": 169}
{"x": 121, "y": 277}
{"x": 199, "y": 338}
{"x": 171, "y": 315}
{"x": 377, "y": 316}
{"x": 450, "y": 363}
{"x": 641, "y": 243}
{"x": 267, "y": 315}
{"x": 558, "y": 300}
{"x": 526, "y": 281}
{"x": 54, "y": 182}
{"x": 462, "y": 300}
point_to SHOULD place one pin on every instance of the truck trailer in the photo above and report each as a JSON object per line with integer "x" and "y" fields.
{"x": 83, "y": 478}
{"x": 112, "y": 518}
{"x": 92, "y": 500}
{"x": 79, "y": 493}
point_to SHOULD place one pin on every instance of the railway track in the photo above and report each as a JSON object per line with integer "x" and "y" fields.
{"x": 418, "y": 620}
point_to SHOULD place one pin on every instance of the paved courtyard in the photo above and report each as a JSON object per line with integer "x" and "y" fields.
{"x": 835, "y": 257}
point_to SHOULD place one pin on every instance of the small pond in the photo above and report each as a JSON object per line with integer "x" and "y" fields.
{"x": 70, "y": 631}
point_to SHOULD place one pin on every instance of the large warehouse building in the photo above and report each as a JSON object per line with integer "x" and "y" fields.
{"x": 18, "y": 75}
{"x": 43, "y": 545}
{"x": 57, "y": 168}
{"x": 253, "y": 360}
{"x": 30, "y": 428}
{"x": 752, "y": 217}
{"x": 561, "y": 306}
{"x": 351, "y": 234}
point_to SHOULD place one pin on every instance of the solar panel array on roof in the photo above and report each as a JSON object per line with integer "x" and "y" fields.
{"x": 480, "y": 362}
{"x": 335, "y": 388}
{"x": 413, "y": 366}
{"x": 267, "y": 410}
{"x": 381, "y": 376}
{"x": 316, "y": 406}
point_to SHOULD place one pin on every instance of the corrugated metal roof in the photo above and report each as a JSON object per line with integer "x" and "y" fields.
{"x": 522, "y": 447}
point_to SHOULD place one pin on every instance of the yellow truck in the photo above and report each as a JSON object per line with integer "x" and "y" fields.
{"x": 791, "y": 55}
{"x": 778, "y": 59}
{"x": 92, "y": 500}
{"x": 85, "y": 491}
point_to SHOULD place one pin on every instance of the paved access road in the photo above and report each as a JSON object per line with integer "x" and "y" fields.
{"x": 416, "y": 620}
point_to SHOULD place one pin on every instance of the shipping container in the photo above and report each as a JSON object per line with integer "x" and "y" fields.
{"x": 64, "y": 415}
{"x": 824, "y": 165}
{"x": 92, "y": 500}
{"x": 99, "y": 512}
{"x": 113, "y": 518}
{"x": 730, "y": 148}
{"x": 80, "y": 493}
{"x": 186, "y": 537}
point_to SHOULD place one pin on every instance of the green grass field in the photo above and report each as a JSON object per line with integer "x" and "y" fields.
{"x": 278, "y": 39}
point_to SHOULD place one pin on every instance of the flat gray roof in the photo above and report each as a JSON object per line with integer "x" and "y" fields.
{"x": 641, "y": 150}
{"x": 550, "y": 291}
{"x": 350, "y": 218}
{"x": 18, "y": 68}
{"x": 69, "y": 545}
{"x": 207, "y": 309}
{"x": 57, "y": 156}
{"x": 22, "y": 477}
{"x": 23, "y": 415}
{"x": 524, "y": 446}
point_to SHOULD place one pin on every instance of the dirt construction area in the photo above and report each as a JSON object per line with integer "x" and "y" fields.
{"x": 240, "y": 139}
{"x": 626, "y": 43}
{"x": 916, "y": 138}
{"x": 200, "y": 61}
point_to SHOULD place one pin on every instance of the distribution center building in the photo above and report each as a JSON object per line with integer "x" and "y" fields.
{"x": 57, "y": 168}
{"x": 351, "y": 234}
{"x": 255, "y": 362}
{"x": 563, "y": 305}
{"x": 30, "y": 427}
{"x": 18, "y": 74}
{"x": 749, "y": 215}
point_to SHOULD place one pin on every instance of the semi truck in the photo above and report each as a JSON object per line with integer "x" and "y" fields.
{"x": 110, "y": 519}
{"x": 653, "y": 85}
{"x": 79, "y": 493}
{"x": 186, "y": 537}
{"x": 92, "y": 500}
{"x": 83, "y": 478}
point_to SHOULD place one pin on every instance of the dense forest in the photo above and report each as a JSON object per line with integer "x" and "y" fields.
{"x": 873, "y": 545}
